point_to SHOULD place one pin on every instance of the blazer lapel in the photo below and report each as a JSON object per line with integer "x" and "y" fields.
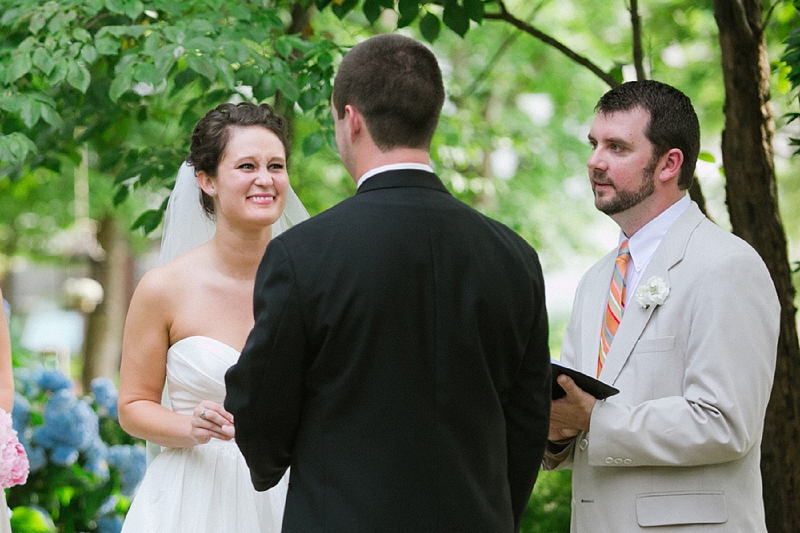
{"x": 635, "y": 318}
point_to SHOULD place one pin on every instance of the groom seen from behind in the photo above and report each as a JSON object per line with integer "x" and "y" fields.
{"x": 399, "y": 361}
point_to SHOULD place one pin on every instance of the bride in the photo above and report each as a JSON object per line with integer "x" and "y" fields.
{"x": 190, "y": 317}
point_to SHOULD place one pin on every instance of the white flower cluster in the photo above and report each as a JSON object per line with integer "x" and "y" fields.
{"x": 654, "y": 292}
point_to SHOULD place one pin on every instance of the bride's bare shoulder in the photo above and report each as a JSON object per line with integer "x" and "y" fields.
{"x": 171, "y": 279}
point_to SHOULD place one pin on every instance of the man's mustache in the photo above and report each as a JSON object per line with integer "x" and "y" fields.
{"x": 601, "y": 178}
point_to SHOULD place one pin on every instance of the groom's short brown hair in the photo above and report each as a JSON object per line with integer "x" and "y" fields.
{"x": 396, "y": 84}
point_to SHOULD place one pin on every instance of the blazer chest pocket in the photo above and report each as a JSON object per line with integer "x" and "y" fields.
{"x": 680, "y": 508}
{"x": 657, "y": 344}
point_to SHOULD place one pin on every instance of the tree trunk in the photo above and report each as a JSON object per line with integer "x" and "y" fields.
{"x": 753, "y": 205}
{"x": 103, "y": 345}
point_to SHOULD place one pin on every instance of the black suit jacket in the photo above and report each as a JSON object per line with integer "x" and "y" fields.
{"x": 399, "y": 364}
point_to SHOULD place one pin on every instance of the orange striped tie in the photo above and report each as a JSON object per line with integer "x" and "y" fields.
{"x": 615, "y": 305}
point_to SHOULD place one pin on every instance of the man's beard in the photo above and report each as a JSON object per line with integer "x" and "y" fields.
{"x": 624, "y": 200}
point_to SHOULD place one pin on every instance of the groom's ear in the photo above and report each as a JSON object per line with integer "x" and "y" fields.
{"x": 355, "y": 121}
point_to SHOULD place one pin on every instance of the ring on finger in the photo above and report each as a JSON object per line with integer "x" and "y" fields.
{"x": 203, "y": 414}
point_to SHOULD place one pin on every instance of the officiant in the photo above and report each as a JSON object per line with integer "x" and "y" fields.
{"x": 683, "y": 319}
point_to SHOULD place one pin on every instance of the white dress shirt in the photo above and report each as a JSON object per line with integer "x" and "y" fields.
{"x": 644, "y": 242}
{"x": 396, "y": 166}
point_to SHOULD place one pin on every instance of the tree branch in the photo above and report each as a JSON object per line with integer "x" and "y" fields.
{"x": 505, "y": 16}
{"x": 636, "y": 27}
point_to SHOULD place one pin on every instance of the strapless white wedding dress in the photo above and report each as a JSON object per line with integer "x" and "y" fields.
{"x": 205, "y": 488}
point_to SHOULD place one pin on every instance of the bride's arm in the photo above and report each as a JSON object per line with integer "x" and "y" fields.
{"x": 6, "y": 376}
{"x": 143, "y": 371}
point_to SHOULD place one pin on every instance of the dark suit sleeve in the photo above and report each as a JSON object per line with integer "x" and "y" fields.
{"x": 265, "y": 387}
{"x": 528, "y": 408}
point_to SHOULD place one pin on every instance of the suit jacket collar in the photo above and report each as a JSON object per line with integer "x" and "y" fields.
{"x": 668, "y": 254}
{"x": 403, "y": 178}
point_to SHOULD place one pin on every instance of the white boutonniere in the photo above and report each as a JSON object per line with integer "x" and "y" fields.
{"x": 654, "y": 292}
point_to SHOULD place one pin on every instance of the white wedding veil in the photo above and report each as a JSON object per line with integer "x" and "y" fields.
{"x": 187, "y": 226}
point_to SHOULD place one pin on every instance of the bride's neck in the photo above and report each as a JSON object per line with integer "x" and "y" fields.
{"x": 238, "y": 254}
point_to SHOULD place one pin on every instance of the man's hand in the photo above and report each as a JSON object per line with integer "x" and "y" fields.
{"x": 572, "y": 413}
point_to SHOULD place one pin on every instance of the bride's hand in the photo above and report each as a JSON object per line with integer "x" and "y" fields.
{"x": 211, "y": 420}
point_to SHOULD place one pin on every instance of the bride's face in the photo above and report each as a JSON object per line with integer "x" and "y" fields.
{"x": 252, "y": 181}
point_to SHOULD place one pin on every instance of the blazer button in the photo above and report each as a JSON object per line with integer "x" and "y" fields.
{"x": 627, "y": 461}
{"x": 609, "y": 460}
{"x": 617, "y": 461}
{"x": 584, "y": 444}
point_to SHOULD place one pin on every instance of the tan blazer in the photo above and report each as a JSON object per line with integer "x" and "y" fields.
{"x": 679, "y": 446}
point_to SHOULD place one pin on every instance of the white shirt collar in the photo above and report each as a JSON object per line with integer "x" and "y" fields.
{"x": 396, "y": 166}
{"x": 644, "y": 242}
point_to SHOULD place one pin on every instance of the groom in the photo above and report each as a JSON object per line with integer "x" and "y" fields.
{"x": 399, "y": 360}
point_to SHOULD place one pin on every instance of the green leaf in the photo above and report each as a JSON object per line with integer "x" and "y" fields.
{"x": 116, "y": 6}
{"x": 38, "y": 20}
{"x": 236, "y": 52}
{"x": 89, "y": 53}
{"x": 15, "y": 147}
{"x": 61, "y": 20}
{"x": 202, "y": 65}
{"x": 148, "y": 221}
{"x": 474, "y": 10}
{"x": 429, "y": 27}
{"x": 174, "y": 34}
{"x": 51, "y": 116}
{"x": 31, "y": 520}
{"x": 324, "y": 61}
{"x": 707, "y": 157}
{"x": 408, "y": 9}
{"x": 121, "y": 195}
{"x": 372, "y": 10}
{"x": 59, "y": 71}
{"x": 287, "y": 86}
{"x": 225, "y": 71}
{"x": 200, "y": 44}
{"x": 122, "y": 83}
{"x": 19, "y": 66}
{"x": 284, "y": 47}
{"x": 30, "y": 112}
{"x": 164, "y": 59}
{"x": 44, "y": 61}
{"x": 78, "y": 76}
{"x": 134, "y": 9}
{"x": 455, "y": 18}
{"x": 151, "y": 44}
{"x": 81, "y": 35}
{"x": 313, "y": 143}
{"x": 310, "y": 98}
{"x": 343, "y": 8}
{"x": 106, "y": 45}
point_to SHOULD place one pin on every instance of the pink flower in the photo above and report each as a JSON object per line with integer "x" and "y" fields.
{"x": 14, "y": 465}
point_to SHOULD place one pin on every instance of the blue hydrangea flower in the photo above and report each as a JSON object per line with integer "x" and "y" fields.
{"x": 37, "y": 458}
{"x": 70, "y": 427}
{"x": 70, "y": 421}
{"x": 21, "y": 414}
{"x": 98, "y": 468}
{"x": 95, "y": 455}
{"x": 109, "y": 524}
{"x": 53, "y": 380}
{"x": 64, "y": 455}
{"x": 109, "y": 505}
{"x": 27, "y": 381}
{"x": 105, "y": 395}
{"x": 131, "y": 461}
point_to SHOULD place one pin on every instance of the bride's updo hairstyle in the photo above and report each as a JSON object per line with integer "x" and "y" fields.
{"x": 210, "y": 137}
